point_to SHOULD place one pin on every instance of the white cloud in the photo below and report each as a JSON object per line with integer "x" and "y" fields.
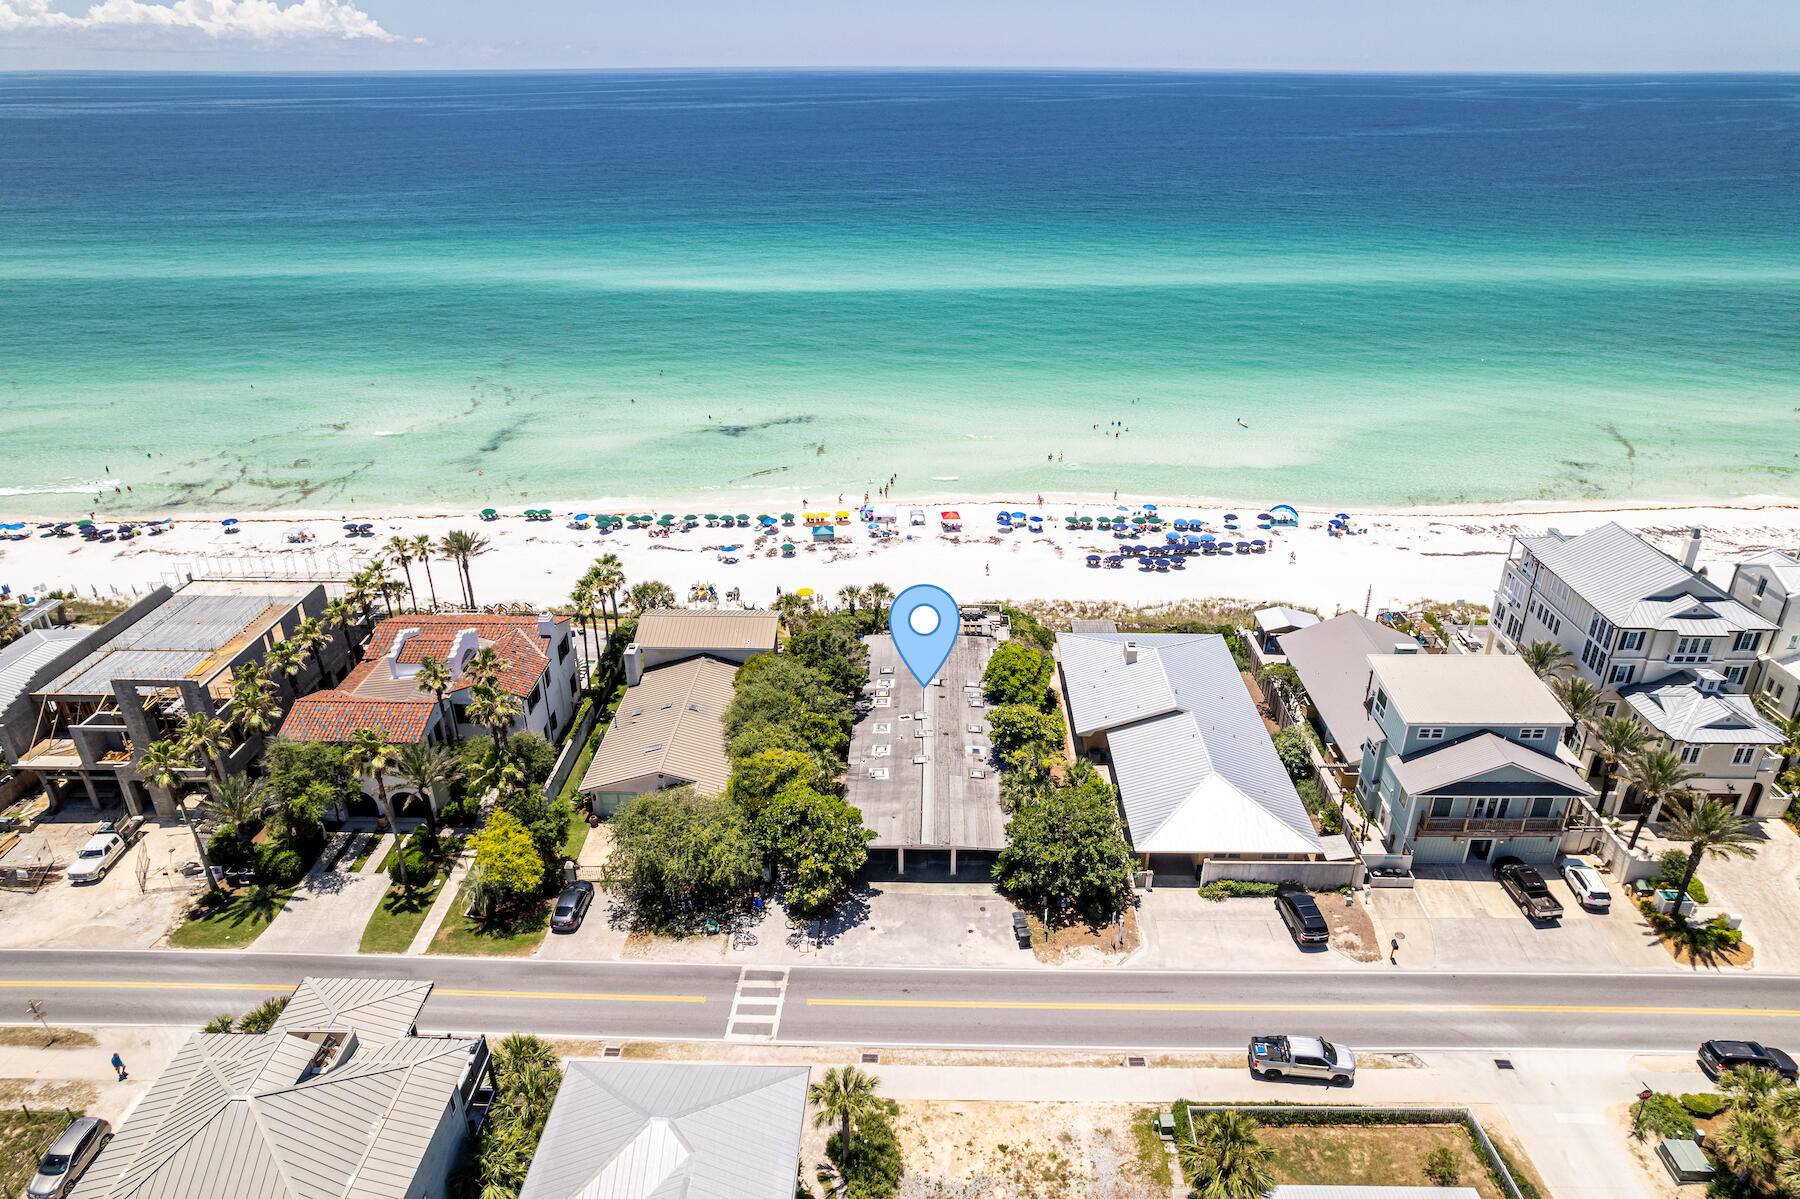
{"x": 257, "y": 19}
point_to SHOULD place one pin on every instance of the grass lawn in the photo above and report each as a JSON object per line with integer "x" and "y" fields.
{"x": 396, "y": 921}
{"x": 1380, "y": 1155}
{"x": 575, "y": 836}
{"x": 365, "y": 853}
{"x": 1153, "y": 1159}
{"x": 234, "y": 925}
{"x": 514, "y": 936}
{"x": 24, "y": 1139}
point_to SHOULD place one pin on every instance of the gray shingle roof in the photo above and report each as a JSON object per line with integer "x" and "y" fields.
{"x": 671, "y": 1130}
{"x": 672, "y": 722}
{"x": 1679, "y": 710}
{"x": 1332, "y": 659}
{"x": 1444, "y": 769}
{"x": 237, "y": 1116}
{"x": 1196, "y": 770}
{"x": 1636, "y": 586}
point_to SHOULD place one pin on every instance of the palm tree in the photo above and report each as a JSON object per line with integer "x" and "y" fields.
{"x": 375, "y": 582}
{"x": 1789, "y": 726}
{"x": 285, "y": 659}
{"x": 161, "y": 766}
{"x": 608, "y": 575}
{"x": 877, "y": 593}
{"x": 311, "y": 637}
{"x": 1226, "y": 1159}
{"x": 421, "y": 553}
{"x": 650, "y": 594}
{"x": 254, "y": 710}
{"x": 369, "y": 754}
{"x": 401, "y": 549}
{"x": 1750, "y": 1143}
{"x": 232, "y": 800}
{"x": 494, "y": 709}
{"x": 393, "y": 590}
{"x": 789, "y": 607}
{"x": 206, "y": 737}
{"x": 850, "y": 593}
{"x": 1712, "y": 830}
{"x": 427, "y": 767}
{"x": 845, "y": 1096}
{"x": 1657, "y": 776}
{"x": 485, "y": 665}
{"x": 361, "y": 592}
{"x": 1763, "y": 1091}
{"x": 461, "y": 548}
{"x": 583, "y": 599}
{"x": 341, "y": 613}
{"x": 1578, "y": 698}
{"x": 434, "y": 676}
{"x": 1545, "y": 658}
{"x": 1614, "y": 739}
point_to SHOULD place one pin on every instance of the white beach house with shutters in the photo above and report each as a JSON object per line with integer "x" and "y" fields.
{"x": 1670, "y": 648}
{"x": 1198, "y": 777}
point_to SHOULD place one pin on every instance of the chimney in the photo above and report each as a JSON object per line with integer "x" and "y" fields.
{"x": 394, "y": 669}
{"x": 546, "y": 625}
{"x": 1690, "y": 556}
{"x": 634, "y": 665}
{"x": 466, "y": 643}
{"x": 1131, "y": 652}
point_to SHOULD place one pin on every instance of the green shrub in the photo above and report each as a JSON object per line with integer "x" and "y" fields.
{"x": 227, "y": 848}
{"x": 219, "y": 1023}
{"x": 1231, "y": 888}
{"x": 1704, "y": 1105}
{"x": 262, "y": 1017}
{"x": 1290, "y": 747}
{"x": 1442, "y": 1169}
{"x": 279, "y": 866}
{"x": 874, "y": 1168}
{"x": 1696, "y": 891}
{"x": 418, "y": 868}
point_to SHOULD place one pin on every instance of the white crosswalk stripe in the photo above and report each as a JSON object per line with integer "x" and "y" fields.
{"x": 756, "y": 1007}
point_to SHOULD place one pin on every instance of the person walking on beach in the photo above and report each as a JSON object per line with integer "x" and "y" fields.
{"x": 118, "y": 1065}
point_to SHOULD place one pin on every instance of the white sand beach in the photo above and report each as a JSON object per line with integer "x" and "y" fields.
{"x": 1404, "y": 557}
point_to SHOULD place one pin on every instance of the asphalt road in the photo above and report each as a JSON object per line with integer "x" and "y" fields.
{"x": 984, "y": 1008}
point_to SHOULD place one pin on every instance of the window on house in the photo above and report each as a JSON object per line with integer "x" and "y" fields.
{"x": 1746, "y": 641}
{"x": 1743, "y": 755}
{"x": 462, "y": 713}
{"x": 1440, "y": 807}
{"x": 562, "y": 649}
{"x": 1532, "y": 734}
{"x": 1735, "y": 675}
{"x": 1690, "y": 754}
{"x": 1610, "y": 710}
{"x": 1431, "y": 734}
{"x": 1794, "y": 641}
{"x": 1540, "y": 807}
{"x": 1633, "y": 640}
{"x": 1622, "y": 675}
{"x": 1593, "y": 656}
{"x": 1762, "y": 585}
{"x": 1692, "y": 649}
{"x": 1380, "y": 703}
{"x": 531, "y": 701}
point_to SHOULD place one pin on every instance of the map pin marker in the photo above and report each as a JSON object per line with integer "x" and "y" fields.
{"x": 924, "y": 621}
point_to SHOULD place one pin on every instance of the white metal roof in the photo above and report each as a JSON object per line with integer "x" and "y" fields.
{"x": 1681, "y": 711}
{"x": 1636, "y": 586}
{"x": 671, "y": 1130}
{"x": 1784, "y": 567}
{"x": 1279, "y": 619}
{"x": 1196, "y": 770}
{"x": 24, "y": 658}
{"x": 239, "y": 1116}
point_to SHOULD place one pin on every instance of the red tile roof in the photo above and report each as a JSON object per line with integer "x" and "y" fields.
{"x": 336, "y": 714}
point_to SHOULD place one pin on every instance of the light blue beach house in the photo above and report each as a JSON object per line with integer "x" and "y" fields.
{"x": 1464, "y": 761}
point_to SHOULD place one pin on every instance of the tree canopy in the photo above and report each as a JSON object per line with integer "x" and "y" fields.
{"x": 1067, "y": 846}
{"x": 761, "y": 776}
{"x": 508, "y": 858}
{"x": 1018, "y": 674}
{"x": 818, "y": 842}
{"x": 676, "y": 852}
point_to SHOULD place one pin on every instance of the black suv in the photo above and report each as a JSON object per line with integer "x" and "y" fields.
{"x": 1716, "y": 1057}
{"x": 1303, "y": 918}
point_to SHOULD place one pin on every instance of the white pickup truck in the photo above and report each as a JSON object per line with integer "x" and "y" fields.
{"x": 1302, "y": 1057}
{"x": 97, "y": 857}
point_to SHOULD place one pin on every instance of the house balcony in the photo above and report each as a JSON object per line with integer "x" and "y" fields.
{"x": 1459, "y": 826}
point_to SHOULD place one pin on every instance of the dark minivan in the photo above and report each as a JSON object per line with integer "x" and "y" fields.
{"x": 1303, "y": 918}
{"x": 72, "y": 1153}
{"x": 1716, "y": 1057}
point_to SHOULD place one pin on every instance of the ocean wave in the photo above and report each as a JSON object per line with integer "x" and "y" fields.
{"x": 60, "y": 489}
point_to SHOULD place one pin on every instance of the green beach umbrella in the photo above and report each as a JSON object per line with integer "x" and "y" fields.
{"x": 712, "y": 518}
{"x": 743, "y": 517}
{"x": 787, "y": 518}
{"x": 787, "y": 547}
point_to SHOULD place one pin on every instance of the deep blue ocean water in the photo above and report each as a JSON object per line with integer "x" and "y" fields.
{"x": 250, "y": 292}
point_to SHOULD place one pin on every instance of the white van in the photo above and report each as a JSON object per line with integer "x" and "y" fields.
{"x": 96, "y": 858}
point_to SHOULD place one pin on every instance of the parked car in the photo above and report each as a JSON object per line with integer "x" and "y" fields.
{"x": 1305, "y": 922}
{"x": 96, "y": 857}
{"x": 69, "y": 1155}
{"x": 1584, "y": 880}
{"x": 129, "y": 829}
{"x": 1528, "y": 889}
{"x": 1302, "y": 1057}
{"x": 1716, "y": 1057}
{"x": 571, "y": 906}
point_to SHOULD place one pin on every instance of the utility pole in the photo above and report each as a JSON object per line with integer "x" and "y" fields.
{"x": 36, "y": 1009}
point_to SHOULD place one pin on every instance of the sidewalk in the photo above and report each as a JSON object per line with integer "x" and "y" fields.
{"x": 440, "y": 907}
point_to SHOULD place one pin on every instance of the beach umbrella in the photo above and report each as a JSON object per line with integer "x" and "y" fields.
{"x": 690, "y": 519}
{"x": 1205, "y": 537}
{"x": 1149, "y": 507}
{"x": 787, "y": 547}
{"x": 726, "y": 549}
{"x": 787, "y": 518}
{"x": 84, "y": 523}
{"x": 229, "y": 520}
{"x": 1264, "y": 516}
{"x": 1017, "y": 515}
{"x": 804, "y": 593}
{"x": 767, "y": 520}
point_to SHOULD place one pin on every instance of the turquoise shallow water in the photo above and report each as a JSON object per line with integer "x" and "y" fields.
{"x": 246, "y": 293}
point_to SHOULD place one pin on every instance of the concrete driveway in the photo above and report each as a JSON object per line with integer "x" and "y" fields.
{"x": 1182, "y": 931}
{"x": 1460, "y": 918}
{"x": 113, "y": 913}
{"x": 330, "y": 907}
{"x": 1764, "y": 890}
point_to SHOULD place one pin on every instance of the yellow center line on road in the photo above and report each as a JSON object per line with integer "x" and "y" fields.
{"x": 1020, "y": 1005}
{"x": 148, "y": 985}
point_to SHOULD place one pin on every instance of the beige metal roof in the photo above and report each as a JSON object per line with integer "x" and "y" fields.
{"x": 680, "y": 628}
{"x": 672, "y": 723}
{"x": 279, "y": 1115}
{"x": 1473, "y": 689}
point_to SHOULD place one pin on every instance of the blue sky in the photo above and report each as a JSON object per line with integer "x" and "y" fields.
{"x": 1348, "y": 35}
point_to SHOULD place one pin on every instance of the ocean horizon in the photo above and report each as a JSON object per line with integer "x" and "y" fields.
{"x": 456, "y": 290}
